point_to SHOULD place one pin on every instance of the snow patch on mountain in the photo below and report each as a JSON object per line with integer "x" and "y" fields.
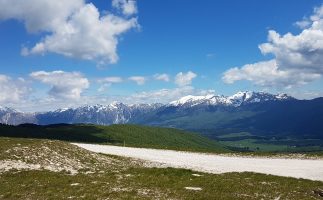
{"x": 190, "y": 99}
{"x": 236, "y": 100}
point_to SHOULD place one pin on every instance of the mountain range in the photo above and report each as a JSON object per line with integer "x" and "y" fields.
{"x": 258, "y": 113}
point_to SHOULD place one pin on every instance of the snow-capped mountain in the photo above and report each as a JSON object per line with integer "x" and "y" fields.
{"x": 258, "y": 113}
{"x": 119, "y": 113}
{"x": 12, "y": 116}
{"x": 114, "y": 113}
{"x": 238, "y": 99}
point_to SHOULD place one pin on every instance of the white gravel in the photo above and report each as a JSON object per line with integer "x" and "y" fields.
{"x": 7, "y": 165}
{"x": 193, "y": 188}
{"x": 211, "y": 163}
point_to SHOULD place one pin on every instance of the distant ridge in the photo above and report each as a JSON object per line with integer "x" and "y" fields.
{"x": 259, "y": 113}
{"x": 237, "y": 99}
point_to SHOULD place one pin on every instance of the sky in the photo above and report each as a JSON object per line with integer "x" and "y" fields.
{"x": 57, "y": 54}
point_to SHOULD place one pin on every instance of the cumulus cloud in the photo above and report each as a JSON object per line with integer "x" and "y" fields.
{"x": 140, "y": 80}
{"x": 13, "y": 90}
{"x": 127, "y": 7}
{"x": 39, "y": 15}
{"x": 268, "y": 74}
{"x": 305, "y": 23}
{"x": 298, "y": 59}
{"x": 72, "y": 28}
{"x": 184, "y": 79}
{"x": 64, "y": 85}
{"x": 162, "y": 77}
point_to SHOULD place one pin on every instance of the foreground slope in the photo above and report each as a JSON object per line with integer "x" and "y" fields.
{"x": 111, "y": 177}
{"x": 129, "y": 135}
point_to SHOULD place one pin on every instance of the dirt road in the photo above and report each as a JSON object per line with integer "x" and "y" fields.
{"x": 211, "y": 163}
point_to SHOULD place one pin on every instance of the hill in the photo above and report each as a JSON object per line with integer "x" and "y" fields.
{"x": 129, "y": 135}
{"x": 46, "y": 169}
{"x": 295, "y": 118}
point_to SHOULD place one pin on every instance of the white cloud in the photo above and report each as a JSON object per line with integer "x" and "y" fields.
{"x": 104, "y": 87}
{"x": 140, "y": 80}
{"x": 111, "y": 79}
{"x": 127, "y": 7}
{"x": 162, "y": 77}
{"x": 166, "y": 95}
{"x": 39, "y": 15}
{"x": 298, "y": 58}
{"x": 266, "y": 74}
{"x": 162, "y": 95}
{"x": 13, "y": 90}
{"x": 155, "y": 96}
{"x": 108, "y": 81}
{"x": 73, "y": 28}
{"x": 305, "y": 94}
{"x": 64, "y": 85}
{"x": 304, "y": 23}
{"x": 184, "y": 79}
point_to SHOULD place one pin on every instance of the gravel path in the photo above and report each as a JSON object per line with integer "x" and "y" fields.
{"x": 297, "y": 168}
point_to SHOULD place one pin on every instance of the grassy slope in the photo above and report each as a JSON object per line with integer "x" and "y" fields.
{"x": 202, "y": 121}
{"x": 154, "y": 137}
{"x": 286, "y": 146}
{"x": 123, "y": 179}
{"x": 297, "y": 119}
{"x": 131, "y": 135}
{"x": 245, "y": 140}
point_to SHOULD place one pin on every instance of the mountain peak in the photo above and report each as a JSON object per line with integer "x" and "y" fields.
{"x": 190, "y": 99}
{"x": 7, "y": 109}
{"x": 238, "y": 99}
{"x": 283, "y": 96}
{"x": 242, "y": 95}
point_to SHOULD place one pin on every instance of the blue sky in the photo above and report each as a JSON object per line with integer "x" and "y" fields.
{"x": 156, "y": 50}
